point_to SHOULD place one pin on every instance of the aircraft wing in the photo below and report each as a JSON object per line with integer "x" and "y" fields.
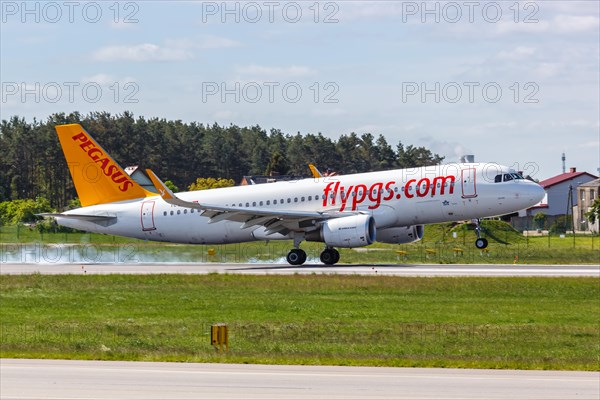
{"x": 276, "y": 221}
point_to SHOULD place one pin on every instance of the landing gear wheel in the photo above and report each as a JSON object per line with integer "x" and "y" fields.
{"x": 330, "y": 256}
{"x": 481, "y": 243}
{"x": 296, "y": 257}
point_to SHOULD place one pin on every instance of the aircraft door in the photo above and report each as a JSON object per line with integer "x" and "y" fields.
{"x": 147, "y": 216}
{"x": 468, "y": 181}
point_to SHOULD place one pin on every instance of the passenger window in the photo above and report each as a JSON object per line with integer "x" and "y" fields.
{"x": 261, "y": 203}
{"x": 253, "y": 204}
{"x": 192, "y": 211}
{"x": 302, "y": 198}
{"x": 317, "y": 197}
{"x": 268, "y": 202}
{"x": 178, "y": 212}
{"x": 185, "y": 211}
{"x": 165, "y": 213}
{"x": 247, "y": 204}
{"x": 309, "y": 198}
{"x": 171, "y": 212}
{"x": 275, "y": 201}
{"x": 289, "y": 200}
{"x": 295, "y": 199}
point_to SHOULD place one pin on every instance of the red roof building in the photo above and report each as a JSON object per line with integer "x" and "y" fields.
{"x": 557, "y": 192}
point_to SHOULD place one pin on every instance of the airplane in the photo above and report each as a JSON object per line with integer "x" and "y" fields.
{"x": 342, "y": 211}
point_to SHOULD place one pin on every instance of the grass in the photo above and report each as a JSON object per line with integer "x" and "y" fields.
{"x": 522, "y": 323}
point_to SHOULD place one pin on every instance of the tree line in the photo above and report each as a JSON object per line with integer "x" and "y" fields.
{"x": 32, "y": 163}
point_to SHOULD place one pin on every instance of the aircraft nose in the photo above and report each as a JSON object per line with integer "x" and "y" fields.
{"x": 535, "y": 192}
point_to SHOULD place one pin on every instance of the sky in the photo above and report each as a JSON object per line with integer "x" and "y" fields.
{"x": 513, "y": 82}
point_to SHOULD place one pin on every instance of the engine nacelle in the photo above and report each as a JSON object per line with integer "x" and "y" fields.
{"x": 353, "y": 231}
{"x": 400, "y": 235}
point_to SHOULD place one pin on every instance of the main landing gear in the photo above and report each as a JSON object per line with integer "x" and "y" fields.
{"x": 297, "y": 256}
{"x": 480, "y": 243}
{"x": 330, "y": 256}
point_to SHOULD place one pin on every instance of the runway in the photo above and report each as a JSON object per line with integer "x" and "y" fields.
{"x": 283, "y": 269}
{"x": 100, "y": 380}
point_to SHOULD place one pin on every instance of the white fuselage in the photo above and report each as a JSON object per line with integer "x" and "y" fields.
{"x": 395, "y": 198}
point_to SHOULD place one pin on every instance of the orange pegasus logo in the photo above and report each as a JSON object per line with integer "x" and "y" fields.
{"x": 108, "y": 168}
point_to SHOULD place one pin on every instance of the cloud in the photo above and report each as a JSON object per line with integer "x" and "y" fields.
{"x": 142, "y": 52}
{"x": 575, "y": 23}
{"x": 518, "y": 53}
{"x": 106, "y": 80}
{"x": 329, "y": 112}
{"x": 548, "y": 69}
{"x": 203, "y": 42}
{"x": 172, "y": 50}
{"x": 260, "y": 71}
{"x": 560, "y": 24}
{"x": 225, "y": 114}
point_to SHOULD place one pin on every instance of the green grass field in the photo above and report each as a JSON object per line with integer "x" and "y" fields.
{"x": 442, "y": 243}
{"x": 522, "y": 323}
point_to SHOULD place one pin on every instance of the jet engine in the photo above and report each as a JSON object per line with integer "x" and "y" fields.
{"x": 400, "y": 235}
{"x": 352, "y": 231}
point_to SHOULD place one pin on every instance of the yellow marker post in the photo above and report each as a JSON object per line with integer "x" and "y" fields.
{"x": 219, "y": 337}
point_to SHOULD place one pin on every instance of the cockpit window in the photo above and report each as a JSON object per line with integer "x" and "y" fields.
{"x": 507, "y": 177}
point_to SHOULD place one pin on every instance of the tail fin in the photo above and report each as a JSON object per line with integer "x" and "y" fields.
{"x": 97, "y": 177}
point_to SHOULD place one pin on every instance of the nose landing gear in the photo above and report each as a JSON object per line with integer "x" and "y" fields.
{"x": 480, "y": 243}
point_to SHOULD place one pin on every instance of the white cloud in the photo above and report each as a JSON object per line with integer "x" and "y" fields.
{"x": 548, "y": 70}
{"x": 518, "y": 53}
{"x": 172, "y": 49}
{"x": 575, "y": 23}
{"x": 100, "y": 79}
{"x": 225, "y": 114}
{"x": 266, "y": 73}
{"x": 141, "y": 52}
{"x": 560, "y": 24}
{"x": 106, "y": 80}
{"x": 203, "y": 42}
{"x": 329, "y": 112}
{"x": 507, "y": 27}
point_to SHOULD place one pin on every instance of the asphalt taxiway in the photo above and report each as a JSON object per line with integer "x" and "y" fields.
{"x": 283, "y": 269}
{"x": 100, "y": 380}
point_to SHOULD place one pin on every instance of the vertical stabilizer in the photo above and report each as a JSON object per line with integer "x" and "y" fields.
{"x": 97, "y": 177}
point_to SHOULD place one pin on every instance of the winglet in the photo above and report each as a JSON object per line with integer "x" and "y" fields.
{"x": 316, "y": 173}
{"x": 163, "y": 190}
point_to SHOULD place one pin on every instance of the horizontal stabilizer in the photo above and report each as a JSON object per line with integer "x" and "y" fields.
{"x": 81, "y": 217}
{"x": 103, "y": 220}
